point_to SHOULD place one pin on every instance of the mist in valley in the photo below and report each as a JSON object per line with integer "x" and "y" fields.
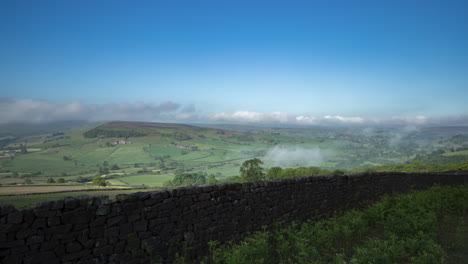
{"x": 291, "y": 156}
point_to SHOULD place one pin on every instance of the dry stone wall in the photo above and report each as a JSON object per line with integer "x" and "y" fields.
{"x": 144, "y": 227}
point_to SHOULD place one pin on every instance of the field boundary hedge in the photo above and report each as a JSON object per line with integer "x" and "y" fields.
{"x": 143, "y": 227}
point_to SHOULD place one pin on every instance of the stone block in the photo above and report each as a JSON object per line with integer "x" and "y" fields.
{"x": 34, "y": 240}
{"x": 41, "y": 258}
{"x": 111, "y": 232}
{"x": 105, "y": 250}
{"x": 116, "y": 220}
{"x": 140, "y": 226}
{"x": 54, "y": 221}
{"x": 15, "y": 218}
{"x": 103, "y": 210}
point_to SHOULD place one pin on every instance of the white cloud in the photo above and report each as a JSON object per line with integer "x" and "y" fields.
{"x": 250, "y": 117}
{"x": 35, "y": 111}
{"x": 328, "y": 120}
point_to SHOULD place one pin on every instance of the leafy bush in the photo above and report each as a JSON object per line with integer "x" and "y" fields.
{"x": 403, "y": 229}
{"x": 99, "y": 181}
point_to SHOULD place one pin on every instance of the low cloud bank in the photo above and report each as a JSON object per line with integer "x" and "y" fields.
{"x": 247, "y": 117}
{"x": 39, "y": 111}
{"x": 295, "y": 156}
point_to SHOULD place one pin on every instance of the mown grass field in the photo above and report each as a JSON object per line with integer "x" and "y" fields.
{"x": 28, "y": 201}
{"x": 25, "y": 189}
{"x": 146, "y": 179}
{"x": 456, "y": 153}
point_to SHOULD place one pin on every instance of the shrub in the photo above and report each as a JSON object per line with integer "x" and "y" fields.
{"x": 99, "y": 181}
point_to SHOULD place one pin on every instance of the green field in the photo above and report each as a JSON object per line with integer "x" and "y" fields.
{"x": 27, "y": 201}
{"x": 148, "y": 180}
{"x": 456, "y": 153}
{"x": 218, "y": 150}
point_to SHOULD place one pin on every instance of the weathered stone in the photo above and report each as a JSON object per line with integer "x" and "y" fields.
{"x": 120, "y": 246}
{"x": 54, "y": 221}
{"x": 116, "y": 208}
{"x": 132, "y": 244}
{"x": 42, "y": 257}
{"x": 98, "y": 221}
{"x": 34, "y": 240}
{"x": 105, "y": 250}
{"x": 80, "y": 227}
{"x": 11, "y": 244}
{"x": 204, "y": 196}
{"x": 96, "y": 232}
{"x": 71, "y": 203}
{"x": 45, "y": 213}
{"x": 76, "y": 255}
{"x": 49, "y": 245}
{"x": 15, "y": 218}
{"x": 112, "y": 231}
{"x": 116, "y": 220}
{"x": 140, "y": 226}
{"x": 5, "y": 252}
{"x": 13, "y": 259}
{"x": 103, "y": 210}
{"x": 133, "y": 217}
{"x": 100, "y": 242}
{"x": 58, "y": 230}
{"x": 91, "y": 261}
{"x": 24, "y": 233}
{"x": 19, "y": 250}
{"x": 75, "y": 217}
{"x": 73, "y": 247}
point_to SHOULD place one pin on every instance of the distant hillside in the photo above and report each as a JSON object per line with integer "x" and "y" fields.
{"x": 28, "y": 129}
{"x": 140, "y": 129}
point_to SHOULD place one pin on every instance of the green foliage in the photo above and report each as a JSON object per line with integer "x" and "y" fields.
{"x": 103, "y": 171}
{"x": 187, "y": 179}
{"x": 50, "y": 180}
{"x": 99, "y": 181}
{"x": 273, "y": 173}
{"x": 402, "y": 229}
{"x": 288, "y": 173}
{"x": 211, "y": 180}
{"x": 61, "y": 180}
{"x": 23, "y": 149}
{"x": 28, "y": 181}
{"x": 251, "y": 170}
{"x": 338, "y": 172}
{"x": 415, "y": 166}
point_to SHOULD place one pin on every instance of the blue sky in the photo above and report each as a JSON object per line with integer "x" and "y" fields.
{"x": 321, "y": 62}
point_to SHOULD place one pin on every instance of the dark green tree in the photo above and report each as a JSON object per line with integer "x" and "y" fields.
{"x": 273, "y": 173}
{"x": 211, "y": 180}
{"x": 50, "y": 180}
{"x": 61, "y": 180}
{"x": 99, "y": 181}
{"x": 251, "y": 170}
{"x": 103, "y": 171}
